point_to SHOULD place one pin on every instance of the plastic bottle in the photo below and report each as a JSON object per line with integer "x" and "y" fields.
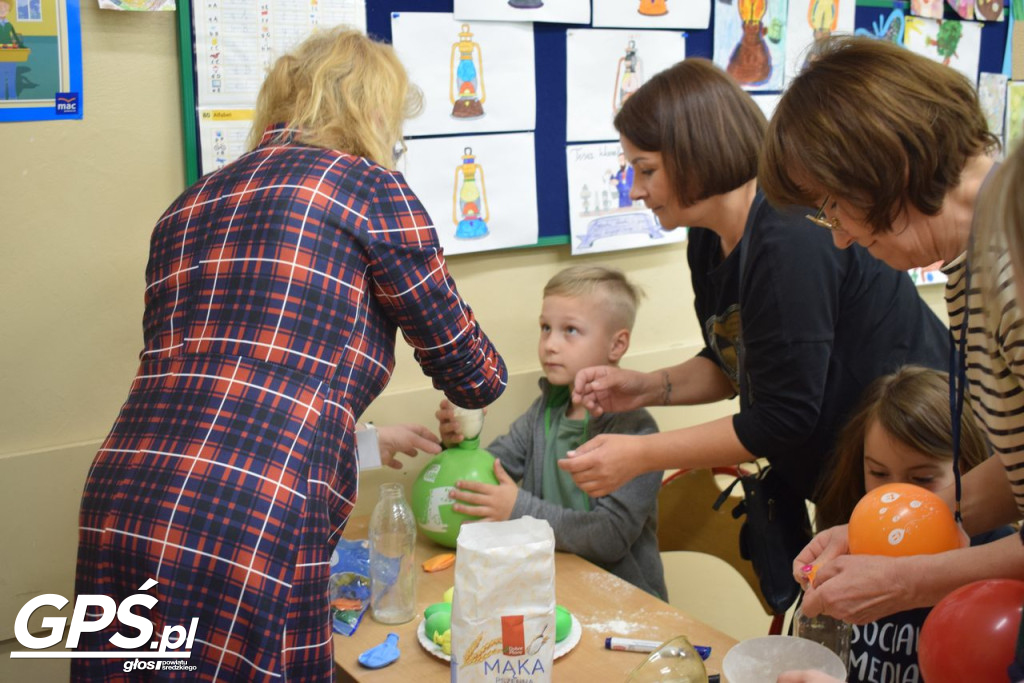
{"x": 392, "y": 548}
{"x": 828, "y": 631}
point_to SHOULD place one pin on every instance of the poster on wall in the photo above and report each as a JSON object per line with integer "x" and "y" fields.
{"x": 480, "y": 190}
{"x": 750, "y": 41}
{"x": 602, "y": 215}
{"x": 956, "y": 44}
{"x": 40, "y": 60}
{"x": 694, "y": 14}
{"x": 604, "y": 67}
{"x": 476, "y": 77}
{"x": 558, "y": 11}
{"x": 812, "y": 20}
{"x": 139, "y": 5}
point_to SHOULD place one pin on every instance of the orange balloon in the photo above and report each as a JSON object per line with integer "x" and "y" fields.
{"x": 902, "y": 519}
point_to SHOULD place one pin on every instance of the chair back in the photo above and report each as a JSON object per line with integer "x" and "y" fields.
{"x": 688, "y": 521}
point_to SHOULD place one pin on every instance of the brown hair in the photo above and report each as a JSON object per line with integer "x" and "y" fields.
{"x": 340, "y": 90}
{"x": 912, "y": 405}
{"x": 707, "y": 129}
{"x": 876, "y": 125}
{"x": 622, "y": 296}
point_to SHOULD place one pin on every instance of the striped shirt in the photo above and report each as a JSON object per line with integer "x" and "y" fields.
{"x": 995, "y": 360}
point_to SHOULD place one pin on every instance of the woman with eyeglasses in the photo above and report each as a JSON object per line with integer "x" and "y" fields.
{"x": 275, "y": 289}
{"x": 896, "y": 149}
{"x": 792, "y": 326}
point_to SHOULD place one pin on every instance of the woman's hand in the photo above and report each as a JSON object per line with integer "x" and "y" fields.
{"x": 861, "y": 589}
{"x": 826, "y": 545}
{"x": 489, "y": 502}
{"x": 608, "y": 389}
{"x": 404, "y": 438}
{"x": 604, "y": 463}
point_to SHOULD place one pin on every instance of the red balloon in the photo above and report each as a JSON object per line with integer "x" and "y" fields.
{"x": 902, "y": 519}
{"x": 971, "y": 634}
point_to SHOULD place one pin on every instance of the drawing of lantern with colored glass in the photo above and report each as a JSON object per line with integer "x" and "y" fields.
{"x": 652, "y": 8}
{"x": 751, "y": 62}
{"x": 468, "y": 199}
{"x": 466, "y": 82}
{"x": 629, "y": 76}
{"x": 822, "y": 15}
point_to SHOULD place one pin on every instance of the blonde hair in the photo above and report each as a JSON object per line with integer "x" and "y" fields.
{"x": 998, "y": 242}
{"x": 912, "y": 405}
{"x": 340, "y": 90}
{"x": 622, "y": 295}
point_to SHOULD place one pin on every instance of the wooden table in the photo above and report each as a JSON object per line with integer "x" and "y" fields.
{"x": 604, "y": 604}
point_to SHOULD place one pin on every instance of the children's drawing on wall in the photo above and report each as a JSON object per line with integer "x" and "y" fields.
{"x": 886, "y": 27}
{"x": 469, "y": 199}
{"x": 750, "y": 37}
{"x": 604, "y": 67}
{"x": 466, "y": 82}
{"x": 476, "y": 77}
{"x": 812, "y": 20}
{"x": 989, "y": 10}
{"x": 992, "y": 97}
{"x": 559, "y": 11}
{"x": 956, "y": 44}
{"x": 1014, "y": 115}
{"x": 963, "y": 8}
{"x": 40, "y": 60}
{"x": 930, "y": 9}
{"x": 652, "y": 13}
{"x": 480, "y": 191}
{"x": 629, "y": 76}
{"x": 602, "y": 215}
{"x": 767, "y": 103}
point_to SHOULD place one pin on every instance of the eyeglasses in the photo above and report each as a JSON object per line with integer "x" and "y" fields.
{"x": 823, "y": 221}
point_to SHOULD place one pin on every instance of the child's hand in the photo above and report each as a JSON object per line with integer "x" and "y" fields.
{"x": 489, "y": 502}
{"x": 447, "y": 425}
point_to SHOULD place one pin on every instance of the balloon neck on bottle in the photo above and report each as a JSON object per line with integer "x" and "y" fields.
{"x": 469, "y": 444}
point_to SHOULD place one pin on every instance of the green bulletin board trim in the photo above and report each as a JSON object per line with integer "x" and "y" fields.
{"x": 188, "y": 92}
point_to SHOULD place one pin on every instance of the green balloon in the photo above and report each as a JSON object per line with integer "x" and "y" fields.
{"x": 437, "y": 607}
{"x": 563, "y": 623}
{"x": 431, "y": 504}
{"x": 438, "y": 623}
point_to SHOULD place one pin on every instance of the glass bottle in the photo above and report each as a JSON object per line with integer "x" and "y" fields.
{"x": 828, "y": 631}
{"x": 675, "y": 661}
{"x": 392, "y": 549}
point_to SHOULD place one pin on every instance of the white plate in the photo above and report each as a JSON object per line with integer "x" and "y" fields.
{"x": 571, "y": 640}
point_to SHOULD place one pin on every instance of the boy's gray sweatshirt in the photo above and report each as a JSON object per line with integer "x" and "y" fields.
{"x": 619, "y": 533}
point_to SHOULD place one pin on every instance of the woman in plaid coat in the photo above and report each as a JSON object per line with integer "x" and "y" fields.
{"x": 275, "y": 288}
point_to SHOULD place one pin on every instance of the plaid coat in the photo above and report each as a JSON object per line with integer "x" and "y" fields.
{"x": 274, "y": 290}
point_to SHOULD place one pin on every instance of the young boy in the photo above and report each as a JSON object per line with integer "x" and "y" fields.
{"x": 586, "y": 319}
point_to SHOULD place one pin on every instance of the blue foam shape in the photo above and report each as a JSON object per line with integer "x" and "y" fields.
{"x": 381, "y": 655}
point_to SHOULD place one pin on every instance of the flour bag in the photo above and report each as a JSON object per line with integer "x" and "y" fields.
{"x": 503, "y": 608}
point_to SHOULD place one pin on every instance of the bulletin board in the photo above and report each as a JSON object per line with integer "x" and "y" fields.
{"x": 550, "y": 75}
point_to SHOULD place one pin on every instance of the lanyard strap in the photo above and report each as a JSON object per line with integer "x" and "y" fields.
{"x": 957, "y": 386}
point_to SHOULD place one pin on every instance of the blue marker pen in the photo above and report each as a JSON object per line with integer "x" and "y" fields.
{"x": 634, "y": 645}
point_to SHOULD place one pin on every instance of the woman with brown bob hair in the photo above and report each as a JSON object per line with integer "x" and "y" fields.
{"x": 274, "y": 293}
{"x": 894, "y": 149}
{"x": 794, "y": 327}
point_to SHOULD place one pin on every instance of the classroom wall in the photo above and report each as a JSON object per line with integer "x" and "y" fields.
{"x": 79, "y": 201}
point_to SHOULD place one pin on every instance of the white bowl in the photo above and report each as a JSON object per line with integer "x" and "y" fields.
{"x": 761, "y": 660}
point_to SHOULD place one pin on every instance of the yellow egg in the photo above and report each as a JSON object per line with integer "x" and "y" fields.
{"x": 449, "y": 593}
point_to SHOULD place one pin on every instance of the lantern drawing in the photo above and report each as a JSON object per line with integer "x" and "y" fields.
{"x": 751, "y": 62}
{"x": 629, "y": 77}
{"x": 467, "y": 199}
{"x": 652, "y": 8}
{"x": 466, "y": 79}
{"x": 822, "y": 15}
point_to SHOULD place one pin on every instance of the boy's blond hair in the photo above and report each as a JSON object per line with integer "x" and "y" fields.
{"x": 621, "y": 294}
